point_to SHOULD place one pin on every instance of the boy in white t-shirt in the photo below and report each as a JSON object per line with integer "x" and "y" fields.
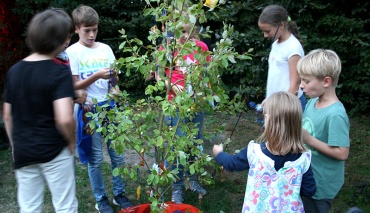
{"x": 90, "y": 64}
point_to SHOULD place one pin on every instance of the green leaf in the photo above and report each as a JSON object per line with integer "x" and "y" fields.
{"x": 152, "y": 200}
{"x": 191, "y": 169}
{"x": 170, "y": 176}
{"x": 150, "y": 178}
{"x": 148, "y": 10}
{"x": 122, "y": 31}
{"x": 160, "y": 141}
{"x": 231, "y": 59}
{"x": 228, "y": 140}
{"x": 193, "y": 19}
{"x": 224, "y": 63}
{"x": 216, "y": 98}
{"x": 122, "y": 45}
{"x": 156, "y": 180}
{"x": 224, "y": 34}
{"x": 115, "y": 172}
{"x": 182, "y": 157}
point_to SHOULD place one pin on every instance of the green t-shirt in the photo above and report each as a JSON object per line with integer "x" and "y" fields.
{"x": 329, "y": 125}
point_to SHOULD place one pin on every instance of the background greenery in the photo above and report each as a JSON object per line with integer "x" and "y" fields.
{"x": 343, "y": 26}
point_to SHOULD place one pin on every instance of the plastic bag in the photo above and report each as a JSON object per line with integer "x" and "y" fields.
{"x": 171, "y": 207}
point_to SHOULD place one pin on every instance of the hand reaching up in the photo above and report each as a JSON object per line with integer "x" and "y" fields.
{"x": 217, "y": 149}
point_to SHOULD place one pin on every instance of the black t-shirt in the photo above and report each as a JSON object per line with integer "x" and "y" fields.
{"x": 31, "y": 87}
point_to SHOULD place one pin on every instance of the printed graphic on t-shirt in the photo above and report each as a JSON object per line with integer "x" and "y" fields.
{"x": 308, "y": 125}
{"x": 89, "y": 66}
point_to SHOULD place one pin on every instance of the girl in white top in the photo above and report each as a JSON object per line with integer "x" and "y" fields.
{"x": 285, "y": 52}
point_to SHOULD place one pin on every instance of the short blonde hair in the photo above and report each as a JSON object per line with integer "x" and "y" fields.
{"x": 283, "y": 126}
{"x": 320, "y": 63}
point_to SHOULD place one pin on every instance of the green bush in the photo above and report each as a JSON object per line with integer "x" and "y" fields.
{"x": 342, "y": 26}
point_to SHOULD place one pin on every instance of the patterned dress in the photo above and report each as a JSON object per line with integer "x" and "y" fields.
{"x": 274, "y": 191}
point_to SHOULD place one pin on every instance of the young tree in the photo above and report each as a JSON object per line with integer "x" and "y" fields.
{"x": 140, "y": 126}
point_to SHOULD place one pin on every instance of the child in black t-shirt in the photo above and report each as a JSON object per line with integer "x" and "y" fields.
{"x": 38, "y": 116}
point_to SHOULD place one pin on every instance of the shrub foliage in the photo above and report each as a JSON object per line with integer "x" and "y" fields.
{"x": 339, "y": 25}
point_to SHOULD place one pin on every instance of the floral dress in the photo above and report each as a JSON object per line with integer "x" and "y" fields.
{"x": 274, "y": 191}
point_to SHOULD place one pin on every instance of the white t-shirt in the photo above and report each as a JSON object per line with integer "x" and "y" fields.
{"x": 278, "y": 75}
{"x": 85, "y": 61}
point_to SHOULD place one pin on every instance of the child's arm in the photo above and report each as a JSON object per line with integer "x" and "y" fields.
{"x": 8, "y": 121}
{"x": 63, "y": 111}
{"x": 308, "y": 187}
{"x": 80, "y": 96}
{"x": 156, "y": 76}
{"x": 336, "y": 152}
{"x": 176, "y": 88}
{"x": 104, "y": 73}
{"x": 238, "y": 162}
{"x": 293, "y": 74}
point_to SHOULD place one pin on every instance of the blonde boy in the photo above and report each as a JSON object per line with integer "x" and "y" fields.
{"x": 325, "y": 126}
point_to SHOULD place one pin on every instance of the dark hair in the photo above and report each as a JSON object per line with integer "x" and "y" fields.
{"x": 85, "y": 15}
{"x": 275, "y": 14}
{"x": 48, "y": 30}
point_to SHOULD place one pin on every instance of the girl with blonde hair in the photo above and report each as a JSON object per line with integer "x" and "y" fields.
{"x": 279, "y": 164}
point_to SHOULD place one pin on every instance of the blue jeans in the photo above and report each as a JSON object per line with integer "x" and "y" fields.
{"x": 316, "y": 206}
{"x": 303, "y": 101}
{"x": 95, "y": 171}
{"x": 172, "y": 121}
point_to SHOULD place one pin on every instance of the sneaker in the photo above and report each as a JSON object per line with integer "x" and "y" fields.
{"x": 122, "y": 201}
{"x": 103, "y": 206}
{"x": 195, "y": 187}
{"x": 177, "y": 196}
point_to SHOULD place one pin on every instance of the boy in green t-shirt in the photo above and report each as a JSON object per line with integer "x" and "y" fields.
{"x": 325, "y": 126}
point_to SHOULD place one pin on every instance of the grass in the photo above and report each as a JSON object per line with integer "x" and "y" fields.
{"x": 227, "y": 194}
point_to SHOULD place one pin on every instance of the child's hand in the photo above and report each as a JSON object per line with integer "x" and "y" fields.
{"x": 80, "y": 96}
{"x": 105, "y": 73}
{"x": 115, "y": 72}
{"x": 87, "y": 106}
{"x": 71, "y": 147}
{"x": 151, "y": 76}
{"x": 217, "y": 149}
